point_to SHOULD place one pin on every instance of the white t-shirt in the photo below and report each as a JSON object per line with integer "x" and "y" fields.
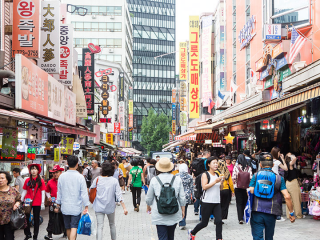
{"x": 212, "y": 195}
{"x": 275, "y": 167}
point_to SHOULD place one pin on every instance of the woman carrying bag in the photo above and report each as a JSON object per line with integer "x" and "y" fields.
{"x": 33, "y": 196}
{"x": 137, "y": 179}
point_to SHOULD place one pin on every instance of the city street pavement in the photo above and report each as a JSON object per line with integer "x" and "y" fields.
{"x": 137, "y": 226}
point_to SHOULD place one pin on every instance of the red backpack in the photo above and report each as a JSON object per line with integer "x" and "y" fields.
{"x": 243, "y": 178}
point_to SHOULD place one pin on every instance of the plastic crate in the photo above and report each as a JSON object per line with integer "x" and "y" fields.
{"x": 304, "y": 197}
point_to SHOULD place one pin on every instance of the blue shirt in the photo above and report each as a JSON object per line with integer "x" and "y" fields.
{"x": 253, "y": 181}
{"x": 72, "y": 193}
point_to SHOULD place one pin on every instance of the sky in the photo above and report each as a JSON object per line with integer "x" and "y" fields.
{"x": 184, "y": 9}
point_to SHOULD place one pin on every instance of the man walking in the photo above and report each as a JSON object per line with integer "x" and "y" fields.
{"x": 19, "y": 182}
{"x": 267, "y": 188}
{"x": 87, "y": 174}
{"x": 51, "y": 193}
{"x": 72, "y": 195}
{"x": 96, "y": 170}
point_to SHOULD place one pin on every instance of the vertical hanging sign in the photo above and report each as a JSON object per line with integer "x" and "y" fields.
{"x": 105, "y": 108}
{"x": 121, "y": 86}
{"x": 206, "y": 59}
{"x": 183, "y": 65}
{"x": 194, "y": 67}
{"x": 66, "y": 54}
{"x": 50, "y": 37}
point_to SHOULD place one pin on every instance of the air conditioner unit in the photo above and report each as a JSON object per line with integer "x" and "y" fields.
{"x": 94, "y": 16}
{"x": 111, "y": 50}
{"x": 104, "y": 14}
{"x": 111, "y": 17}
{"x": 111, "y": 30}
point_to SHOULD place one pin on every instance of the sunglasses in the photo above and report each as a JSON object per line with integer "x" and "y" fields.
{"x": 103, "y": 72}
{"x": 80, "y": 10}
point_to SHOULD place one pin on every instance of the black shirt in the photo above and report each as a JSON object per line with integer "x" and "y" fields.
{"x": 292, "y": 174}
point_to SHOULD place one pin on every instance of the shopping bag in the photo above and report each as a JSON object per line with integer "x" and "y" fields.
{"x": 145, "y": 188}
{"x": 84, "y": 226}
{"x": 58, "y": 226}
{"x": 17, "y": 219}
{"x": 248, "y": 208}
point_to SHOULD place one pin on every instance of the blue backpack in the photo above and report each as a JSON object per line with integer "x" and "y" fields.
{"x": 265, "y": 182}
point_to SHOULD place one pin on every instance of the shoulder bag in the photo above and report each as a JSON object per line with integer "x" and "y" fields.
{"x": 131, "y": 184}
{"x": 27, "y": 209}
{"x": 93, "y": 192}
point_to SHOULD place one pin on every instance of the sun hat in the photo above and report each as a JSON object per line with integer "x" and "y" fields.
{"x": 56, "y": 168}
{"x": 38, "y": 166}
{"x": 164, "y": 165}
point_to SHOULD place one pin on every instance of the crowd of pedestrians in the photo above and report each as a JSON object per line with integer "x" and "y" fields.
{"x": 171, "y": 187}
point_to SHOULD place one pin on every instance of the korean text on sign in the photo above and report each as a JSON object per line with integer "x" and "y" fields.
{"x": 183, "y": 61}
{"x": 66, "y": 54}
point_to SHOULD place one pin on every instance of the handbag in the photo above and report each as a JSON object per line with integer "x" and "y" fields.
{"x": 27, "y": 209}
{"x": 93, "y": 192}
{"x": 17, "y": 219}
{"x": 131, "y": 184}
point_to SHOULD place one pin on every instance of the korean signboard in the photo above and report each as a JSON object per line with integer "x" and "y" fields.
{"x": 66, "y": 145}
{"x": 173, "y": 111}
{"x": 183, "y": 65}
{"x": 109, "y": 138}
{"x": 272, "y": 31}
{"x": 66, "y": 54}
{"x": 26, "y": 28}
{"x": 87, "y": 76}
{"x": 116, "y": 127}
{"x": 246, "y": 34}
{"x": 206, "y": 59}
{"x": 121, "y": 115}
{"x": 174, "y": 95}
{"x": 130, "y": 120}
{"x": 105, "y": 95}
{"x": 69, "y": 106}
{"x": 194, "y": 66}
{"x": 130, "y": 106}
{"x": 121, "y": 86}
{"x": 81, "y": 106}
{"x": 55, "y": 99}
{"x": 174, "y": 127}
{"x": 9, "y": 143}
{"x": 183, "y": 119}
{"x": 183, "y": 96}
{"x": 50, "y": 37}
{"x": 35, "y": 135}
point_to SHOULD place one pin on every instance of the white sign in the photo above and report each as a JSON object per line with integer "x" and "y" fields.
{"x": 21, "y": 145}
{"x": 55, "y": 99}
{"x": 273, "y": 31}
{"x": 35, "y": 135}
{"x": 76, "y": 146}
{"x": 121, "y": 115}
{"x": 66, "y": 54}
{"x": 69, "y": 106}
{"x": 50, "y": 36}
{"x": 209, "y": 141}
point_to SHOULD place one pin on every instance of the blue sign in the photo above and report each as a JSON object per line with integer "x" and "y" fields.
{"x": 246, "y": 34}
{"x": 173, "y": 111}
{"x": 264, "y": 74}
{"x": 273, "y": 31}
{"x": 222, "y": 82}
{"x": 281, "y": 63}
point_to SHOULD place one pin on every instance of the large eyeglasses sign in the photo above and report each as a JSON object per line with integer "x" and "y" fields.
{"x": 80, "y": 10}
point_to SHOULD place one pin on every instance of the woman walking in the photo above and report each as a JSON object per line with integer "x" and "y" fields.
{"x": 34, "y": 193}
{"x": 150, "y": 171}
{"x": 9, "y": 201}
{"x": 136, "y": 178}
{"x": 187, "y": 182}
{"x": 241, "y": 168}
{"x": 229, "y": 164}
{"x": 278, "y": 160}
{"x": 166, "y": 223}
{"x": 210, "y": 199}
{"x": 108, "y": 189}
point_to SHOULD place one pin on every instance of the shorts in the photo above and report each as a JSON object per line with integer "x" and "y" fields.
{"x": 71, "y": 221}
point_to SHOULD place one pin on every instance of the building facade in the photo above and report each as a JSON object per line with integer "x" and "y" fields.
{"x": 154, "y": 74}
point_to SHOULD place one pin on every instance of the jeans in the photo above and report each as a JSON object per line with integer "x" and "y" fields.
{"x": 262, "y": 222}
{"x": 100, "y": 224}
{"x": 36, "y": 219}
{"x": 6, "y": 233}
{"x": 196, "y": 205}
{"x": 183, "y": 223}
{"x": 136, "y": 196}
{"x": 207, "y": 210}
{"x": 166, "y": 232}
{"x": 241, "y": 200}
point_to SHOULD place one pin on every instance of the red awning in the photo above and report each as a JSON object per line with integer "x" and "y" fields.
{"x": 17, "y": 115}
{"x": 73, "y": 130}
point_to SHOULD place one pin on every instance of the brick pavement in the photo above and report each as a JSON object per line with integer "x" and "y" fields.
{"x": 137, "y": 226}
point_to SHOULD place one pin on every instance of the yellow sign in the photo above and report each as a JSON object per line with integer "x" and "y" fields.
{"x": 109, "y": 138}
{"x": 174, "y": 127}
{"x": 67, "y": 145}
{"x": 174, "y": 95}
{"x": 194, "y": 67}
{"x": 130, "y": 106}
{"x": 229, "y": 139}
{"x": 56, "y": 155}
{"x": 183, "y": 65}
{"x": 15, "y": 164}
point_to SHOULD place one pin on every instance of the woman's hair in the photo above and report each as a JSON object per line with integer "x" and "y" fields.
{"x": 115, "y": 163}
{"x": 287, "y": 159}
{"x": 8, "y": 176}
{"x": 275, "y": 152}
{"x": 243, "y": 161}
{"x": 107, "y": 169}
{"x": 38, "y": 179}
{"x": 134, "y": 162}
{"x": 153, "y": 161}
{"x": 209, "y": 160}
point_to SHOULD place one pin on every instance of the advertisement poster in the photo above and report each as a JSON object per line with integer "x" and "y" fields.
{"x": 121, "y": 115}
{"x": 66, "y": 145}
{"x": 55, "y": 99}
{"x": 9, "y": 143}
{"x": 35, "y": 135}
{"x": 26, "y": 28}
{"x": 69, "y": 106}
{"x": 56, "y": 155}
{"x": 130, "y": 106}
{"x": 109, "y": 138}
{"x": 66, "y": 54}
{"x": 183, "y": 65}
{"x": 49, "y": 57}
{"x": 121, "y": 86}
{"x": 116, "y": 127}
{"x": 81, "y": 106}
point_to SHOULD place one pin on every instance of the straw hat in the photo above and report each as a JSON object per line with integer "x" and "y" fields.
{"x": 164, "y": 165}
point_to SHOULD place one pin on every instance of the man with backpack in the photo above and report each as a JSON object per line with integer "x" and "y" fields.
{"x": 167, "y": 198}
{"x": 87, "y": 173}
{"x": 267, "y": 188}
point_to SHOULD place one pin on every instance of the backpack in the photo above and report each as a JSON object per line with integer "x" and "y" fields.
{"x": 151, "y": 172}
{"x": 243, "y": 178}
{"x": 89, "y": 174}
{"x": 167, "y": 202}
{"x": 265, "y": 182}
{"x": 198, "y": 166}
{"x": 198, "y": 191}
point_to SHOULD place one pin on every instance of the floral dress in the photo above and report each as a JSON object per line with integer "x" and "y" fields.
{"x": 7, "y": 200}
{"x": 187, "y": 183}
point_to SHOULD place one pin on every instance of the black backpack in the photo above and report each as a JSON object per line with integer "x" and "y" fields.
{"x": 198, "y": 166}
{"x": 167, "y": 202}
{"x": 198, "y": 191}
{"x": 89, "y": 174}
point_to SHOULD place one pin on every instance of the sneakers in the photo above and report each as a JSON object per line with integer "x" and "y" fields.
{"x": 48, "y": 237}
{"x": 137, "y": 207}
{"x": 27, "y": 237}
{"x": 118, "y": 204}
{"x": 123, "y": 192}
{"x": 281, "y": 219}
{"x": 190, "y": 236}
{"x": 182, "y": 227}
{"x": 196, "y": 213}
{"x": 241, "y": 222}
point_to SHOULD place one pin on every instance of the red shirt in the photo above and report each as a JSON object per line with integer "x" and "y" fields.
{"x": 30, "y": 193}
{"x": 52, "y": 187}
{"x": 230, "y": 168}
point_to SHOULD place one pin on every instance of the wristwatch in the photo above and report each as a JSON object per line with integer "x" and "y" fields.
{"x": 292, "y": 214}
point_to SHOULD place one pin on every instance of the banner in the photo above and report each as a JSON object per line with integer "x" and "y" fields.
{"x": 109, "y": 138}
{"x": 173, "y": 111}
{"x": 105, "y": 96}
{"x": 130, "y": 106}
{"x": 121, "y": 86}
{"x": 116, "y": 127}
{"x": 56, "y": 155}
{"x": 183, "y": 65}
{"x": 174, "y": 95}
{"x": 183, "y": 119}
{"x": 26, "y": 28}
{"x": 194, "y": 66}
{"x": 174, "y": 127}
{"x": 69, "y": 106}
{"x": 49, "y": 58}
{"x": 56, "y": 99}
{"x": 121, "y": 115}
{"x": 9, "y": 143}
{"x": 66, "y": 145}
{"x": 80, "y": 100}
{"x": 87, "y": 76}
{"x": 34, "y": 135}
{"x": 183, "y": 96}
{"x": 206, "y": 59}
{"x": 66, "y": 54}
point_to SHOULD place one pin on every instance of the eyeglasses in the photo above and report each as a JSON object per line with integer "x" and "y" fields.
{"x": 103, "y": 72}
{"x": 80, "y": 10}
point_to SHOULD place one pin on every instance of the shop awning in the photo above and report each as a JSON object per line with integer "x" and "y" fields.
{"x": 166, "y": 145}
{"x": 134, "y": 150}
{"x": 17, "y": 116}
{"x": 73, "y": 130}
{"x": 277, "y": 104}
{"x": 186, "y": 136}
{"x": 209, "y": 127}
{"x": 110, "y": 146}
{"x": 179, "y": 143}
{"x": 201, "y": 137}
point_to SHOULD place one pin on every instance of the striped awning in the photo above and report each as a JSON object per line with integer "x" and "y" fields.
{"x": 17, "y": 116}
{"x": 209, "y": 127}
{"x": 278, "y": 104}
{"x": 186, "y": 138}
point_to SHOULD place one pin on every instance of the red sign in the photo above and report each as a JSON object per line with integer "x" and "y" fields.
{"x": 93, "y": 48}
{"x": 117, "y": 127}
{"x": 105, "y": 120}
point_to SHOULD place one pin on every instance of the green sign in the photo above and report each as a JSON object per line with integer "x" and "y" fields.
{"x": 285, "y": 73}
{"x": 9, "y": 143}
{"x": 268, "y": 83}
